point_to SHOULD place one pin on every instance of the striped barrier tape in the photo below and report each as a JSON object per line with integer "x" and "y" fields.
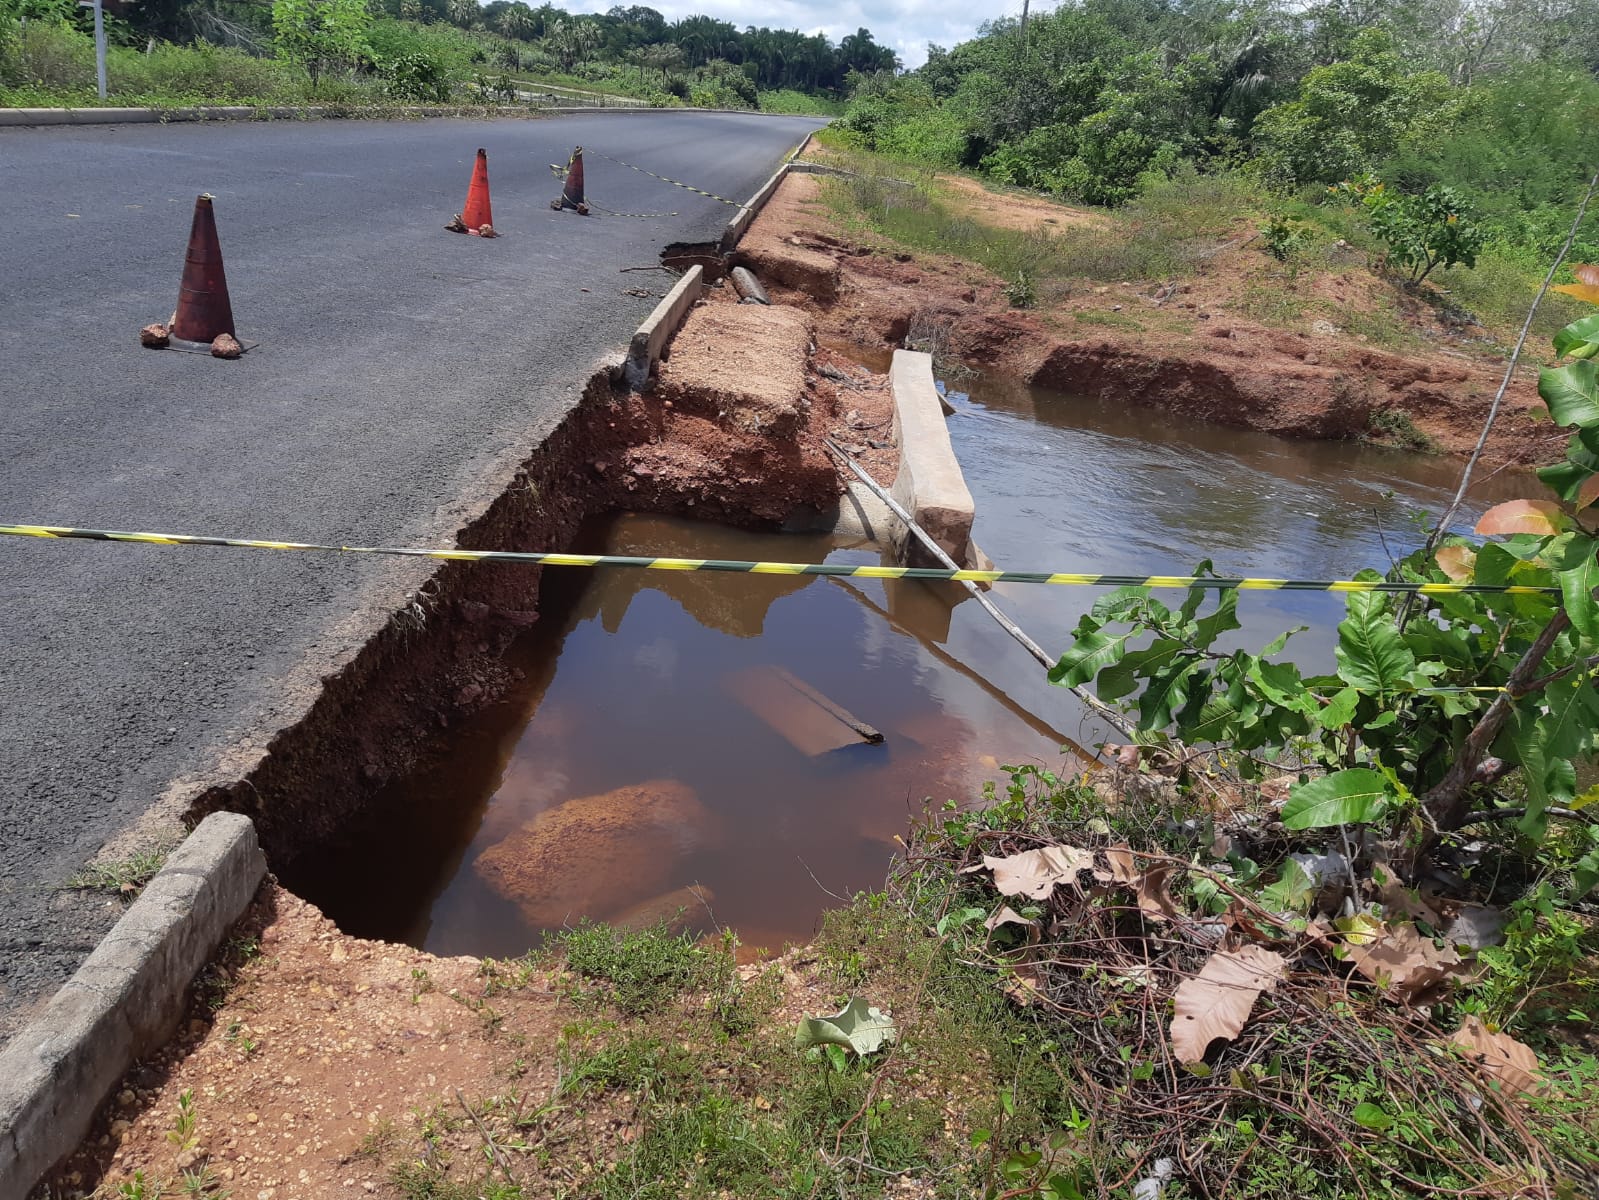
{"x": 674, "y": 182}
{"x": 836, "y": 570}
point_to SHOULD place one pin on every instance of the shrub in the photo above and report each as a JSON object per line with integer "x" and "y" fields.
{"x": 51, "y": 55}
{"x": 416, "y": 77}
{"x": 200, "y": 72}
{"x": 1283, "y": 238}
{"x": 1434, "y": 229}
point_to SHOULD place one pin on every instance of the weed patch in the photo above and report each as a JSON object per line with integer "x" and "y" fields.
{"x": 641, "y": 971}
{"x": 124, "y": 877}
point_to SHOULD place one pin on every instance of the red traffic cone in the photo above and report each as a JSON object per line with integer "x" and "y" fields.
{"x": 572, "y": 190}
{"x": 477, "y": 217}
{"x": 204, "y": 312}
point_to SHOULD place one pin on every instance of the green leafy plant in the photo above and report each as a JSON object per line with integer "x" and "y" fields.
{"x": 1420, "y": 232}
{"x": 1283, "y": 239}
{"x": 1436, "y": 698}
{"x": 1020, "y": 293}
{"x": 321, "y": 35}
{"x": 183, "y": 1136}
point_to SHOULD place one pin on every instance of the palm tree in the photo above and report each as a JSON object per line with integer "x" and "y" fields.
{"x": 464, "y": 12}
{"x": 663, "y": 57}
{"x": 518, "y": 21}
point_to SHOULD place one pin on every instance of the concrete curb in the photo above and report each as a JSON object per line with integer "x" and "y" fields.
{"x": 930, "y": 485}
{"x": 124, "y": 1001}
{"x": 659, "y": 326}
{"x": 32, "y": 117}
{"x": 645, "y": 350}
{"x": 737, "y": 227}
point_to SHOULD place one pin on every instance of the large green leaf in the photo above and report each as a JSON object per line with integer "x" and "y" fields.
{"x": 1371, "y": 655}
{"x": 1572, "y": 393}
{"x": 1121, "y": 678}
{"x": 1339, "y": 710}
{"x": 1166, "y": 693}
{"x": 860, "y": 1027}
{"x": 1580, "y": 339}
{"x": 1578, "y": 570}
{"x": 1087, "y": 656}
{"x": 1585, "y": 874}
{"x": 1208, "y": 628}
{"x": 1351, "y": 797}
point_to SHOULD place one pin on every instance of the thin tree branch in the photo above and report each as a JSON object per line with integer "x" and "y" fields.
{"x": 1444, "y": 801}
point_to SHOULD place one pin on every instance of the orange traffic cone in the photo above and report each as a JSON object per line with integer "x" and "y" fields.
{"x": 204, "y": 312}
{"x": 477, "y": 217}
{"x": 572, "y": 190}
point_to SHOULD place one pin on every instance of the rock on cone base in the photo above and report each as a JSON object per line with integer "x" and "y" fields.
{"x": 204, "y": 311}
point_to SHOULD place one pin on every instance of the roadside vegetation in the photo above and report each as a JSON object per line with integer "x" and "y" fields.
{"x": 1446, "y": 145}
{"x": 352, "y": 54}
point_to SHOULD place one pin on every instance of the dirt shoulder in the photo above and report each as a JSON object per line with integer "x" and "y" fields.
{"x": 1195, "y": 346}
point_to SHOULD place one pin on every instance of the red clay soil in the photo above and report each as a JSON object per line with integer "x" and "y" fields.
{"x": 1204, "y": 361}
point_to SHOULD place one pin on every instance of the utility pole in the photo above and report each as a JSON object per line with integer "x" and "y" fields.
{"x": 99, "y": 43}
{"x": 1024, "y": 26}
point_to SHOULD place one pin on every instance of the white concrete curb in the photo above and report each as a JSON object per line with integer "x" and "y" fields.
{"x": 659, "y": 326}
{"x": 124, "y": 1001}
{"x": 645, "y": 350}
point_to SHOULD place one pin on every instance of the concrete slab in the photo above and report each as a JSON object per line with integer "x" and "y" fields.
{"x": 929, "y": 485}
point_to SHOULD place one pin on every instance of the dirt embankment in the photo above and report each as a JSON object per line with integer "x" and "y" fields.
{"x": 1181, "y": 347}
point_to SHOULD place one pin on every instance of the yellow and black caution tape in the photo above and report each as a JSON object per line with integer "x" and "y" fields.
{"x": 687, "y": 187}
{"x": 836, "y": 570}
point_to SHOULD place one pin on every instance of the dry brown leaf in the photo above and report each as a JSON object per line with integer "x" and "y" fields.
{"x": 1457, "y": 562}
{"x": 1586, "y": 273}
{"x": 1397, "y": 898}
{"x": 1153, "y": 898}
{"x": 1500, "y": 1057}
{"x": 1025, "y": 985}
{"x": 1036, "y": 872}
{"x": 1122, "y": 870}
{"x": 1009, "y": 916}
{"x": 1407, "y": 965}
{"x": 1217, "y": 1002}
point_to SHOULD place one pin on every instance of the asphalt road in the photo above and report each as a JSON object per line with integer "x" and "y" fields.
{"x": 399, "y": 366}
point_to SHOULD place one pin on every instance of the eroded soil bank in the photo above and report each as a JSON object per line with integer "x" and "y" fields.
{"x": 1198, "y": 357}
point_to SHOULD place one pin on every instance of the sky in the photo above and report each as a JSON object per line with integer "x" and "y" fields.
{"x": 905, "y": 25}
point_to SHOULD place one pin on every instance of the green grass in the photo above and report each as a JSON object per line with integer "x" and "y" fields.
{"x": 124, "y": 877}
{"x": 1165, "y": 234}
{"x": 1394, "y": 426}
{"x": 640, "y": 971}
{"x": 787, "y": 100}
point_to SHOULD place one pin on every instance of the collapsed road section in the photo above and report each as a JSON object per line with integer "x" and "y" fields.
{"x": 403, "y": 376}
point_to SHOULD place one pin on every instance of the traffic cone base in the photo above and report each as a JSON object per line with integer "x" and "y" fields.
{"x": 203, "y": 321}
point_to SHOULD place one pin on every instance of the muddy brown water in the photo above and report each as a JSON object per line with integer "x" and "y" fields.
{"x": 630, "y": 677}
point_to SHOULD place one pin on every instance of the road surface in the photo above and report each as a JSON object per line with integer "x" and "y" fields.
{"x": 398, "y": 365}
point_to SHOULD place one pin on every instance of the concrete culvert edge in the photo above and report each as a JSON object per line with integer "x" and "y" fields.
{"x": 124, "y": 1001}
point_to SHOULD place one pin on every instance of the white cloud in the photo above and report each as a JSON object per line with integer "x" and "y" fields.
{"x": 907, "y": 27}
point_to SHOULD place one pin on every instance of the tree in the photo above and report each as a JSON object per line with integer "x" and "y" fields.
{"x": 464, "y": 13}
{"x": 664, "y": 58}
{"x": 321, "y": 35}
{"x": 1350, "y": 115}
{"x": 517, "y": 21}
